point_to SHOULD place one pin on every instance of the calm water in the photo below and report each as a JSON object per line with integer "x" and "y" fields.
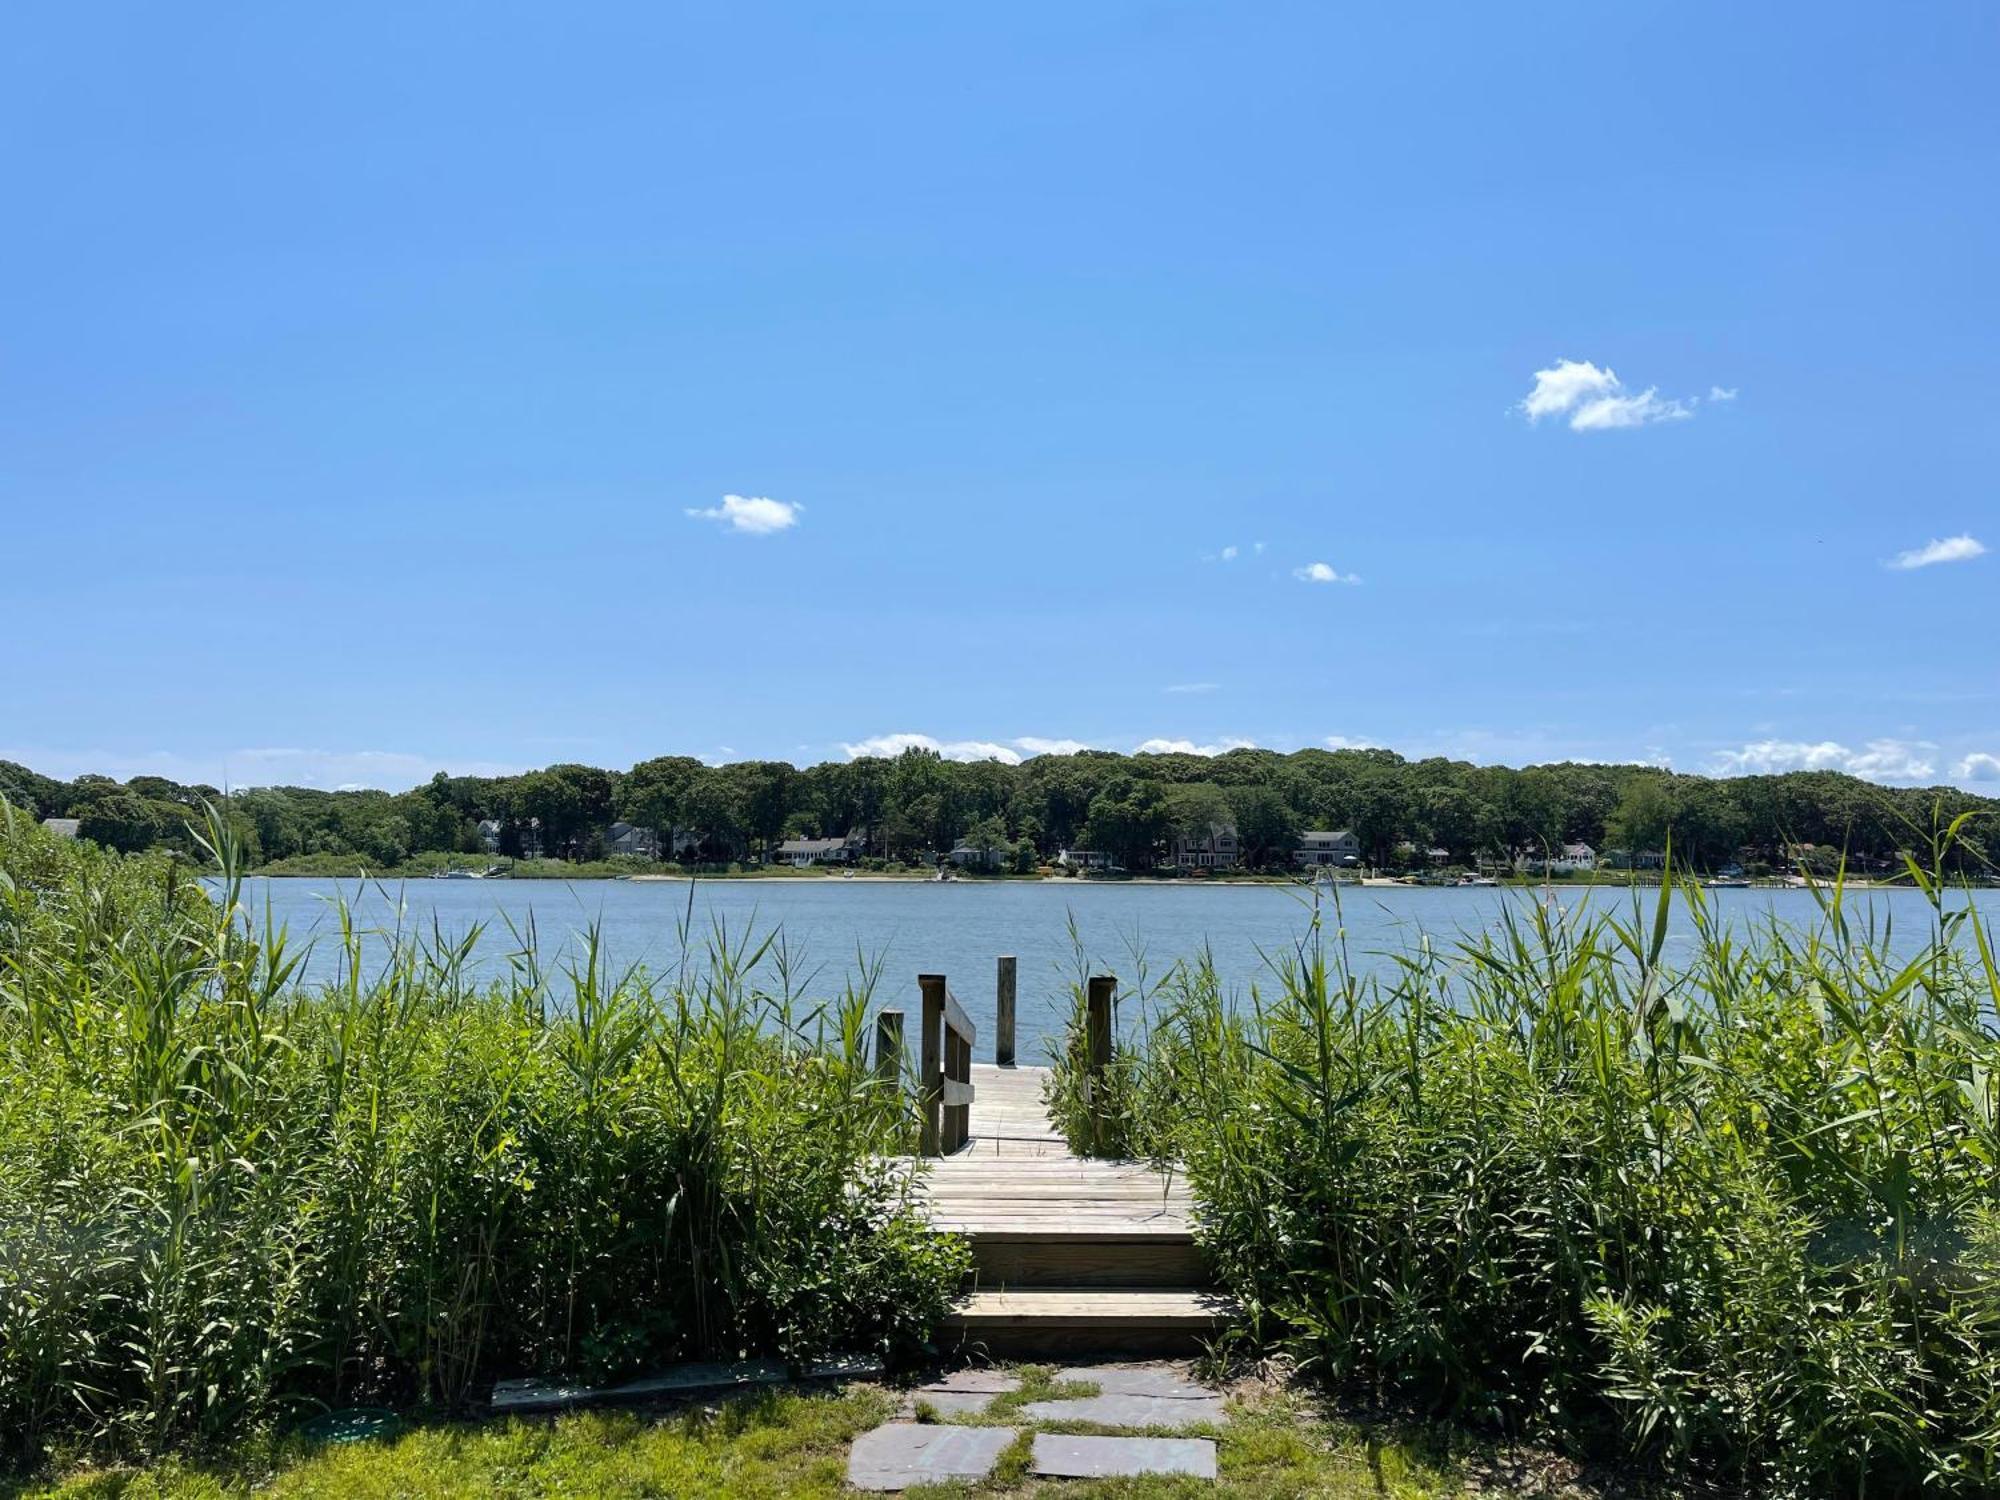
{"x": 958, "y": 929}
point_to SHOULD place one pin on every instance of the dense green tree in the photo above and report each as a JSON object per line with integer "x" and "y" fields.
{"x": 1266, "y": 826}
{"x": 654, "y": 794}
{"x": 117, "y": 819}
{"x": 919, "y": 804}
{"x": 1129, "y": 820}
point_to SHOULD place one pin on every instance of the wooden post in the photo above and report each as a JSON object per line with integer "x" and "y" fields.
{"x": 1098, "y": 1038}
{"x": 930, "y": 1102}
{"x": 1003, "y": 1015}
{"x": 889, "y": 1046}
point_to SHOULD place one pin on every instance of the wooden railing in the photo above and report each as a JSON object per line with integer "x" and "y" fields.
{"x": 944, "y": 1088}
{"x": 945, "y": 1105}
{"x": 944, "y": 1098}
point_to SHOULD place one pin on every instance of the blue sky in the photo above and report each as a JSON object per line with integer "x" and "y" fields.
{"x": 372, "y": 380}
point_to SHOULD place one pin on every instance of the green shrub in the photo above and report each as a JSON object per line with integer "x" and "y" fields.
{"x": 1737, "y": 1216}
{"x": 224, "y": 1196}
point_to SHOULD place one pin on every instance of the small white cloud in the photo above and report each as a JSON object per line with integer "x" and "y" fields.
{"x": 751, "y": 515}
{"x": 1960, "y": 548}
{"x": 1258, "y": 548}
{"x": 1607, "y": 413}
{"x": 891, "y": 745}
{"x": 1721, "y": 393}
{"x": 1978, "y": 766}
{"x": 1193, "y": 687}
{"x": 1880, "y": 760}
{"x": 1189, "y": 747}
{"x": 1320, "y": 572}
{"x": 1595, "y": 400}
{"x": 1229, "y": 554}
{"x": 1348, "y": 742}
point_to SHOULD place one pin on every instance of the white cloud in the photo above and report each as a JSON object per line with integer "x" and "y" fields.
{"x": 1229, "y": 554}
{"x": 1610, "y": 412}
{"x": 892, "y": 745}
{"x": 1721, "y": 393}
{"x": 1189, "y": 747}
{"x": 1879, "y": 760}
{"x": 1320, "y": 572}
{"x": 1595, "y": 400}
{"x": 751, "y": 515}
{"x": 1193, "y": 687}
{"x": 1978, "y": 766}
{"x": 1348, "y": 742}
{"x": 1960, "y": 548}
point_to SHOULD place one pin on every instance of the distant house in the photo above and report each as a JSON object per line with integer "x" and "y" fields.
{"x": 1218, "y": 849}
{"x": 1570, "y": 859}
{"x": 1573, "y": 859}
{"x": 1084, "y": 859}
{"x": 489, "y": 835}
{"x": 800, "y": 853}
{"x": 971, "y": 856}
{"x": 63, "y": 828}
{"x": 631, "y": 839}
{"x": 531, "y": 839}
{"x": 1318, "y": 848}
{"x": 1437, "y": 855}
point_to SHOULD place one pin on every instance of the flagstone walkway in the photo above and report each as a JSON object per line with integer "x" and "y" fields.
{"x": 1140, "y": 1403}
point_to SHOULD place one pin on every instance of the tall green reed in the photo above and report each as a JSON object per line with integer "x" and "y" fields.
{"x": 1733, "y": 1212}
{"x": 226, "y": 1195}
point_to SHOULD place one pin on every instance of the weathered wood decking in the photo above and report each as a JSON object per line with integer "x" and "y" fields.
{"x": 1069, "y": 1254}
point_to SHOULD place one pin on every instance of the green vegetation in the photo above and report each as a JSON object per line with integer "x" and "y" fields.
{"x": 226, "y": 1199}
{"x": 1736, "y": 1216}
{"x": 917, "y": 807}
{"x": 772, "y": 1445}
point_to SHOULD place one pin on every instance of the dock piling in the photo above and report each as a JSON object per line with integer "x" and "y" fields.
{"x": 1003, "y": 1010}
{"x": 1098, "y": 1040}
{"x": 889, "y": 1045}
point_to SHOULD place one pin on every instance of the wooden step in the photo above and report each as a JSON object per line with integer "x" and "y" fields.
{"x": 1096, "y": 1320}
{"x": 1017, "y": 1256}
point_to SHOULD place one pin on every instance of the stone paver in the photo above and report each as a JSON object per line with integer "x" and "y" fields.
{"x": 966, "y": 1392}
{"x": 1118, "y": 1457}
{"x": 900, "y": 1454}
{"x": 1114, "y": 1410}
{"x": 1129, "y": 1380}
{"x": 1130, "y": 1396}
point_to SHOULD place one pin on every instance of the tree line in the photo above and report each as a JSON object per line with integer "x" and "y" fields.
{"x": 917, "y": 806}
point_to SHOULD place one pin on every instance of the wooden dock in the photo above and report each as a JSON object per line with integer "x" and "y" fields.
{"x": 1070, "y": 1254}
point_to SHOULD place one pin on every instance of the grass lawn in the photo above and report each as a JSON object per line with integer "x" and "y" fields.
{"x": 789, "y": 1443}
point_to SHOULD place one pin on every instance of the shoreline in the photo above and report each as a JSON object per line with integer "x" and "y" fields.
{"x": 1368, "y": 883}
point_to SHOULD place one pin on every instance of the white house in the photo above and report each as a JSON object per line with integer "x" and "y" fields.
{"x": 1318, "y": 848}
{"x": 799, "y": 853}
{"x": 1569, "y": 859}
{"x": 1574, "y": 859}
{"x": 1084, "y": 859}
{"x": 1218, "y": 849}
